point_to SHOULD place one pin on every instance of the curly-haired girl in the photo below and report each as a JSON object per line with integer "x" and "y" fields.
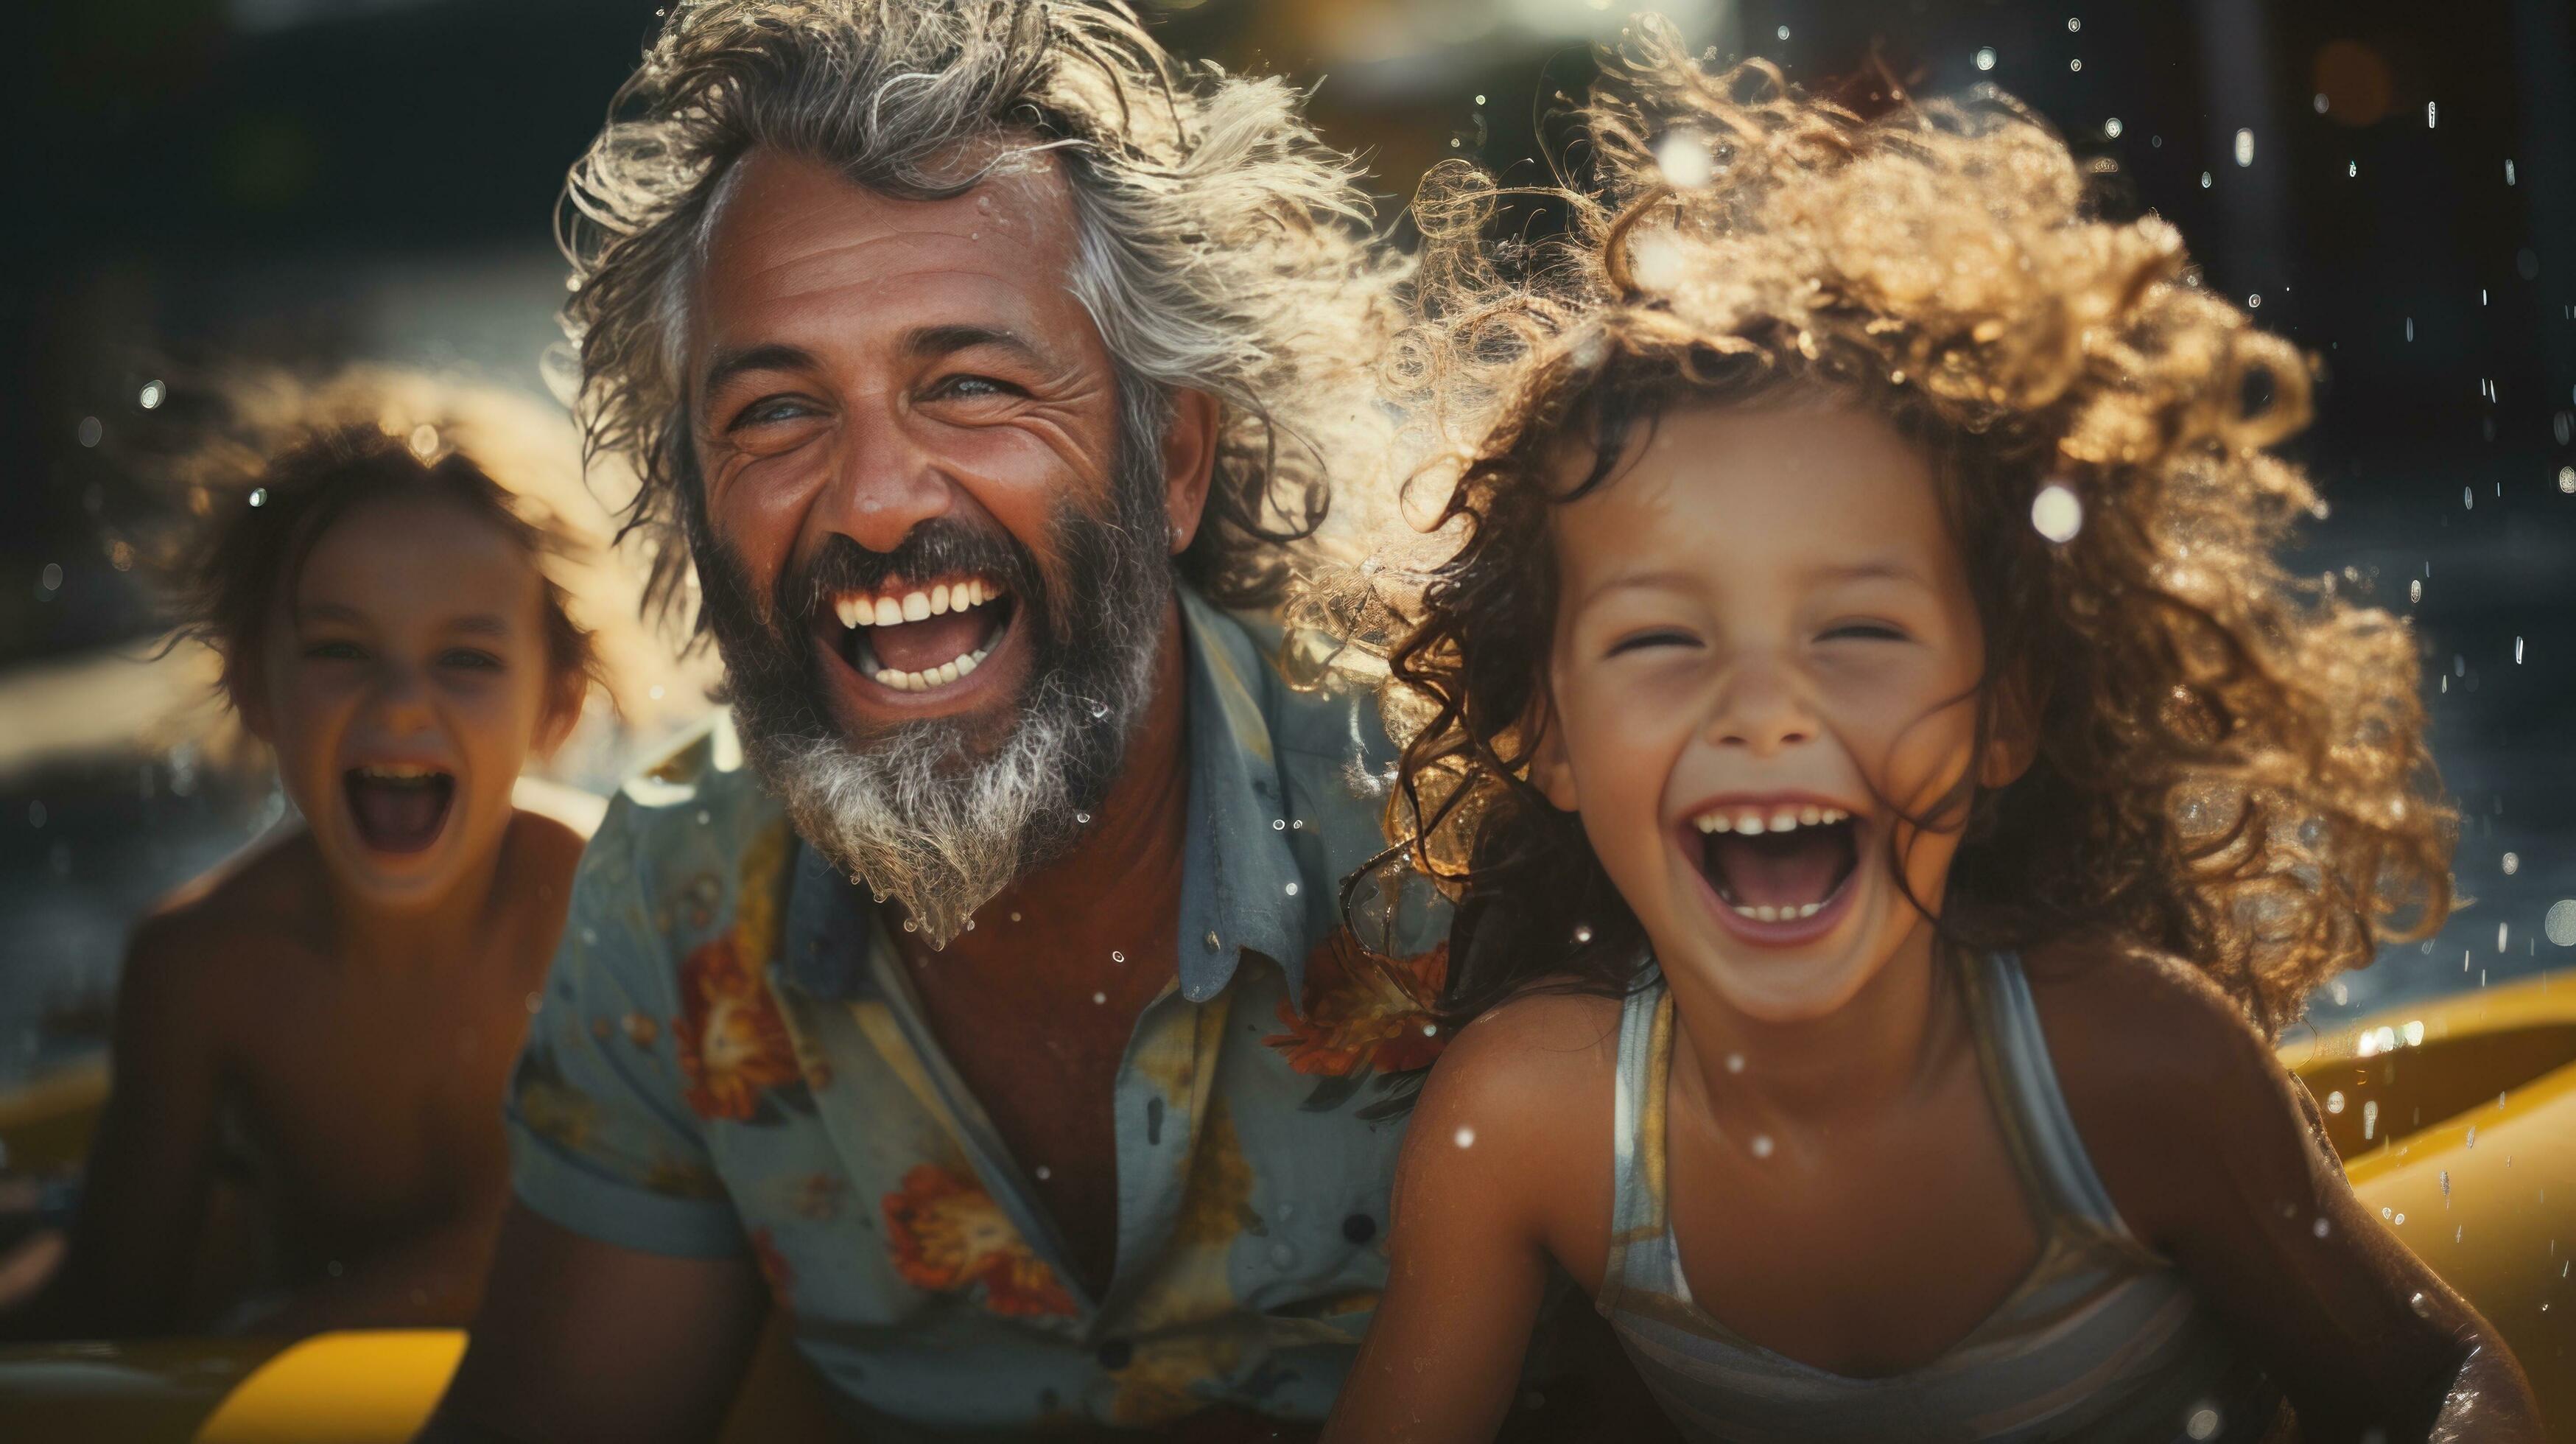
{"x": 1894, "y": 796}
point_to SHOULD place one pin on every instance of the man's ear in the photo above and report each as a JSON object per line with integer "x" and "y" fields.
{"x": 1189, "y": 462}
{"x": 2012, "y": 735}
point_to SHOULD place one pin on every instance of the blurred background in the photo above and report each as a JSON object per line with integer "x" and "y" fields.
{"x": 2393, "y": 185}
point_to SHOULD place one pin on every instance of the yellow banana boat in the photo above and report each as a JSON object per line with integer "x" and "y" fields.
{"x": 2455, "y": 1118}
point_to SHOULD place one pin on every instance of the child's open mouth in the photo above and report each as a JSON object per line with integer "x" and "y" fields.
{"x": 915, "y": 638}
{"x": 1774, "y": 863}
{"x": 399, "y": 807}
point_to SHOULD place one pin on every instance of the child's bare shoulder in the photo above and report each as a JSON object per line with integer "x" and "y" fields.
{"x": 2123, "y": 1017}
{"x": 198, "y": 946}
{"x": 1535, "y": 1070}
{"x": 2164, "y": 1075}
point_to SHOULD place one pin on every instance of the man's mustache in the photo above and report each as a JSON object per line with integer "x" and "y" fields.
{"x": 935, "y": 548}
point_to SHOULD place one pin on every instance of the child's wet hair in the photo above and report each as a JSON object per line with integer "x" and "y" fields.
{"x": 256, "y": 514}
{"x": 2230, "y": 763}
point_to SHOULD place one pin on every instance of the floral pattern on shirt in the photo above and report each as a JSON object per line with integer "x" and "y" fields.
{"x": 948, "y": 1234}
{"x": 733, "y": 1043}
{"x": 1366, "y": 1013}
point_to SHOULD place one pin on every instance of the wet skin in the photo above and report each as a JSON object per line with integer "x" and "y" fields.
{"x": 1763, "y": 605}
{"x": 356, "y": 1008}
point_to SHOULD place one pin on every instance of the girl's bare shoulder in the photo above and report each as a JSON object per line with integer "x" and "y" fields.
{"x": 2166, "y": 1078}
{"x": 1523, "y": 1096}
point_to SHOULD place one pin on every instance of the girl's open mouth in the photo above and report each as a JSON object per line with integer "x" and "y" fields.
{"x": 920, "y": 638}
{"x": 398, "y": 807}
{"x": 1778, "y": 869}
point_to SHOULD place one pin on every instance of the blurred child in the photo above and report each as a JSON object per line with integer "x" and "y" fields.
{"x": 1895, "y": 796}
{"x": 329, "y": 1017}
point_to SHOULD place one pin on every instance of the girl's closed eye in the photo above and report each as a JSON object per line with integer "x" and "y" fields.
{"x": 1655, "y": 638}
{"x": 335, "y": 650}
{"x": 469, "y": 659}
{"x": 1865, "y": 631}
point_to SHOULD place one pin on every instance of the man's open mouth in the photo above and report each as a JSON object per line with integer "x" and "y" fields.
{"x": 919, "y": 638}
{"x": 398, "y": 806}
{"x": 1776, "y": 862}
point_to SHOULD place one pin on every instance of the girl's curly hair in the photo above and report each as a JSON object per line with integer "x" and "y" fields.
{"x": 2230, "y": 761}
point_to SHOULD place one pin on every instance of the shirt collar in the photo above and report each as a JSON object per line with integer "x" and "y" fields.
{"x": 1237, "y": 868}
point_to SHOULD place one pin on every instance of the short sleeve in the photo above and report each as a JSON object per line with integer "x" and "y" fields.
{"x": 601, "y": 1139}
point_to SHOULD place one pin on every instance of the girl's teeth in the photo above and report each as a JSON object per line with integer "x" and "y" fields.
{"x": 1779, "y": 914}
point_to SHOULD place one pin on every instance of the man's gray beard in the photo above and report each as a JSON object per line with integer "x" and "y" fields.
{"x": 913, "y": 812}
{"x": 941, "y": 832}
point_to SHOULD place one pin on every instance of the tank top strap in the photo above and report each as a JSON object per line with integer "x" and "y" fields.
{"x": 2047, "y": 1150}
{"x": 1638, "y": 1238}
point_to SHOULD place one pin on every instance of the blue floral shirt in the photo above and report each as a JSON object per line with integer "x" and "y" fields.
{"x": 727, "y": 1060}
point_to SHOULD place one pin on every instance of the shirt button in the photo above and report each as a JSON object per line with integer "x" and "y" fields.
{"x": 1359, "y": 1228}
{"x": 1212, "y": 943}
{"x": 1116, "y": 1354}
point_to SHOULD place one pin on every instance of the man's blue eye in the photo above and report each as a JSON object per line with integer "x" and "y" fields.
{"x": 769, "y": 409}
{"x": 973, "y": 387}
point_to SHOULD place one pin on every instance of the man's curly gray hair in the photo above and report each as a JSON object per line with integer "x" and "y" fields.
{"x": 1222, "y": 246}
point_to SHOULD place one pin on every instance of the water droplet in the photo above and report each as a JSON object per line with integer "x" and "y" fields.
{"x": 1117, "y": 957}
{"x": 424, "y": 441}
{"x": 705, "y": 817}
{"x": 2446, "y": 1183}
{"x": 1043, "y": 1173}
{"x": 912, "y": 925}
{"x": 2203, "y": 1423}
{"x": 2415, "y": 590}
{"x": 1015, "y": 916}
{"x": 1480, "y": 100}
{"x": 1082, "y": 819}
{"x": 2244, "y": 147}
{"x": 2369, "y": 1118}
{"x": 1098, "y": 710}
{"x": 35, "y": 814}
{"x": 2400, "y": 1220}
{"x": 2254, "y": 302}
{"x": 2321, "y": 1227}
{"x": 1100, "y": 997}
{"x": 2352, "y": 168}
{"x": 2430, "y": 114}
{"x": 2567, "y": 478}
{"x": 2559, "y": 923}
{"x": 2334, "y": 1101}
{"x": 2317, "y": 102}
{"x": 1985, "y": 57}
{"x": 2472, "y": 1140}
{"x": 2057, "y": 513}
{"x": 2076, "y": 66}
{"x": 1761, "y": 1145}
{"x": 153, "y": 391}
{"x": 51, "y": 578}
{"x": 535, "y": 1001}
{"x": 1292, "y": 889}
{"x": 2205, "y": 181}
{"x": 1466, "y": 1137}
{"x": 1734, "y": 1062}
{"x": 1582, "y": 934}
{"x": 1278, "y": 824}
{"x": 1212, "y": 943}
{"x": 2112, "y": 127}
{"x": 90, "y": 431}
{"x": 1430, "y": 1030}
{"x": 2073, "y": 24}
{"x": 2508, "y": 172}
{"x": 2517, "y": 651}
{"x": 1784, "y": 32}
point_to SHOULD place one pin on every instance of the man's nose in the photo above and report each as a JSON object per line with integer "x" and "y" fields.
{"x": 1761, "y": 709}
{"x": 884, "y": 484}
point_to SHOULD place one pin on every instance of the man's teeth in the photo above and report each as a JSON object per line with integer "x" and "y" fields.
{"x": 1753, "y": 822}
{"x": 939, "y": 676}
{"x": 856, "y": 609}
{"x": 1778, "y": 914}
